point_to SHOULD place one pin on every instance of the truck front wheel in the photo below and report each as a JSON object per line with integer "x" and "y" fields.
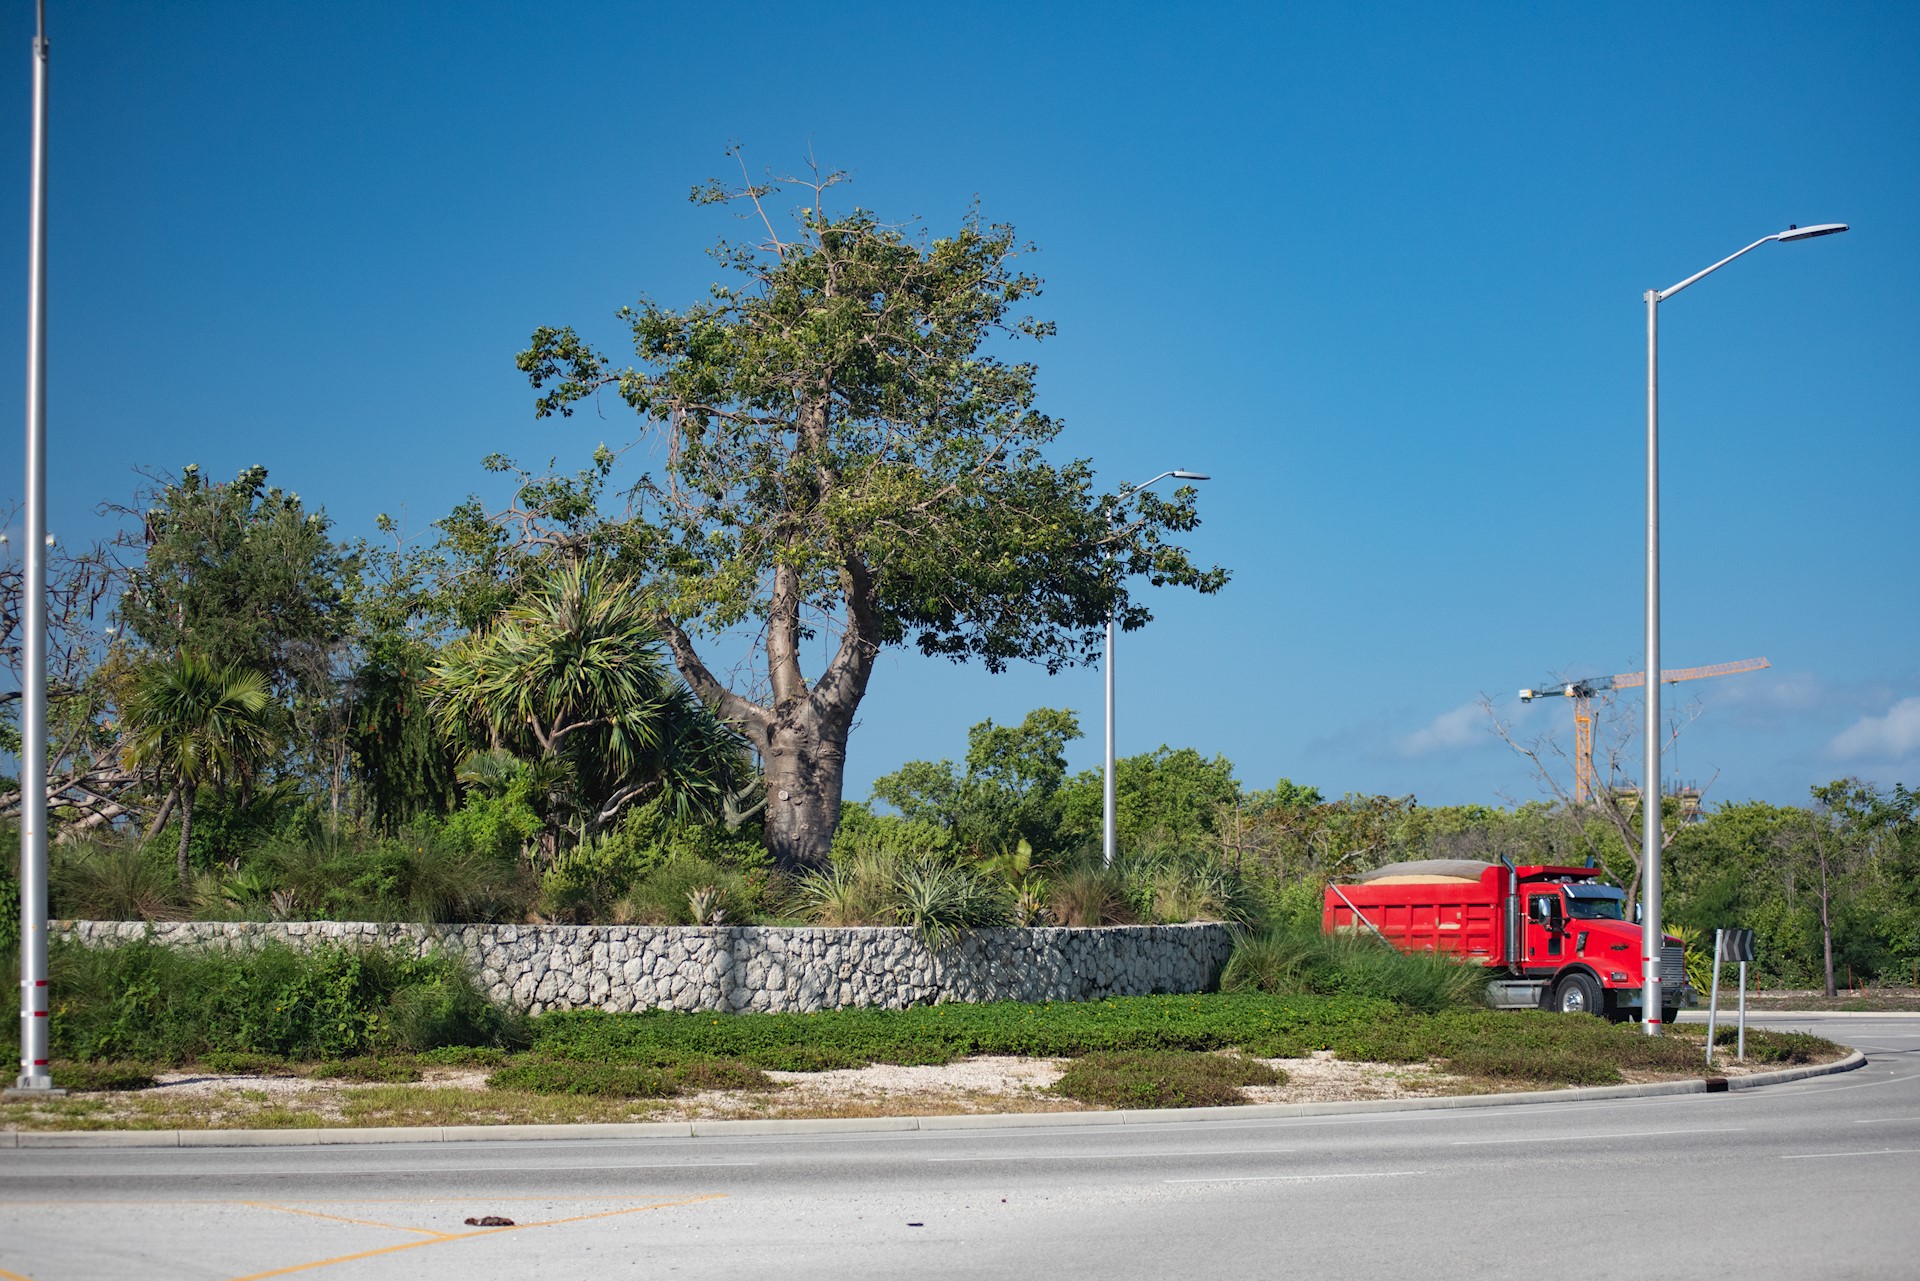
{"x": 1577, "y": 994}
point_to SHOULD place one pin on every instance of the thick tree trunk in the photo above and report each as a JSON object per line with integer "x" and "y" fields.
{"x": 186, "y": 833}
{"x": 802, "y": 736}
{"x": 805, "y": 773}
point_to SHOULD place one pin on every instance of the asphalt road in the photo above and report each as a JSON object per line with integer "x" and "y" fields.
{"x": 1811, "y": 1179}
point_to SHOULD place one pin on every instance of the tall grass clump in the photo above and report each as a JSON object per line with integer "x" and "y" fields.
{"x": 142, "y": 1001}
{"x": 321, "y": 870}
{"x": 1171, "y": 888}
{"x": 113, "y": 878}
{"x": 938, "y": 900}
{"x": 1089, "y": 895}
{"x": 1293, "y": 959}
{"x": 855, "y": 889}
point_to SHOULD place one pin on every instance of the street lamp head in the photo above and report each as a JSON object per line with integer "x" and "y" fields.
{"x": 1189, "y": 475}
{"x": 1808, "y": 233}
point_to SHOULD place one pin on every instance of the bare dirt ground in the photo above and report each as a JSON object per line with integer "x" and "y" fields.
{"x": 460, "y": 1096}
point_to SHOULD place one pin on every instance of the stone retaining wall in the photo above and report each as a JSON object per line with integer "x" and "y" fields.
{"x": 538, "y": 968}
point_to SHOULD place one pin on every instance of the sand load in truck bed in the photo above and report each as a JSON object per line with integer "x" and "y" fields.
{"x": 1431, "y": 871}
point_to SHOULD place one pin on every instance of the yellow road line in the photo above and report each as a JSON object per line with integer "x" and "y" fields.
{"x": 371, "y": 1200}
{"x": 12, "y": 1276}
{"x": 464, "y": 1236}
{"x": 341, "y": 1218}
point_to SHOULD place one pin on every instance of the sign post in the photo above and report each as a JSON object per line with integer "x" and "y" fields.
{"x": 1713, "y": 1001}
{"x": 1740, "y": 948}
{"x": 1740, "y": 1051}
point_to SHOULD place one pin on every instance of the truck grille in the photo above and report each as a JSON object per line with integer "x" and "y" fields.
{"x": 1673, "y": 964}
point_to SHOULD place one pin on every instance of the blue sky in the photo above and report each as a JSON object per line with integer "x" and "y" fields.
{"x": 1375, "y": 267}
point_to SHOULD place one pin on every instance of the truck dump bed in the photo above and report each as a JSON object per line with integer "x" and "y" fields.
{"x": 1426, "y": 911}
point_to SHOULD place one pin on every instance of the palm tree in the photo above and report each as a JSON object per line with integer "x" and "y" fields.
{"x": 195, "y": 724}
{"x": 572, "y": 675}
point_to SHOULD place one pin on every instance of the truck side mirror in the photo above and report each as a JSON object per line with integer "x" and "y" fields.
{"x": 1636, "y": 914}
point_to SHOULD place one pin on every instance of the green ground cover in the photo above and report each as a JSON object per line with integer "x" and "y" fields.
{"x": 1163, "y": 1079}
{"x": 385, "y": 1018}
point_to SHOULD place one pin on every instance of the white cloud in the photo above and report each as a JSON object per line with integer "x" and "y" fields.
{"x": 1464, "y": 726}
{"x": 1762, "y": 696}
{"x": 1889, "y": 737}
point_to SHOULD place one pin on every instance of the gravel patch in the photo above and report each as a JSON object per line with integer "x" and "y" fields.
{"x": 977, "y": 1085}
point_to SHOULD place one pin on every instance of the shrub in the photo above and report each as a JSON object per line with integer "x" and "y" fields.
{"x": 144, "y": 1001}
{"x": 463, "y": 1056}
{"x": 441, "y": 1005}
{"x": 688, "y": 890}
{"x": 370, "y": 1069}
{"x": 1766, "y": 1046}
{"x": 865, "y": 834}
{"x": 496, "y": 824}
{"x": 102, "y": 1076}
{"x": 607, "y": 1080}
{"x": 240, "y": 1063}
{"x": 1291, "y": 959}
{"x": 1163, "y": 1079}
{"x": 649, "y": 870}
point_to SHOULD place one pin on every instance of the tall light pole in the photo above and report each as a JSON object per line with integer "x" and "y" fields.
{"x": 34, "y": 1039}
{"x": 1108, "y": 827}
{"x": 1652, "y": 935}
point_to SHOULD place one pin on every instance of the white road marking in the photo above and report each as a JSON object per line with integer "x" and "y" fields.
{"x": 1579, "y": 1138}
{"x": 1816, "y": 1156}
{"x": 1110, "y": 1156}
{"x": 1817, "y": 1085}
{"x": 1298, "y": 1178}
{"x": 1887, "y": 1120}
{"x": 663, "y": 1165}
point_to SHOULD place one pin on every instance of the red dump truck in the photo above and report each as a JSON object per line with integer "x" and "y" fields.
{"x": 1551, "y": 938}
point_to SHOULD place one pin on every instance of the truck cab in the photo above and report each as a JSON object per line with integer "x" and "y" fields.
{"x": 1550, "y": 937}
{"x": 1576, "y": 934}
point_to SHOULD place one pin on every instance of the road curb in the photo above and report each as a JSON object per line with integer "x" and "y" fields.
{"x": 1782, "y": 1075}
{"x": 345, "y": 1136}
{"x": 1726, "y": 1018}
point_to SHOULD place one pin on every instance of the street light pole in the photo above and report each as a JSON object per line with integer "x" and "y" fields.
{"x": 34, "y": 1039}
{"x": 1652, "y": 936}
{"x": 1108, "y": 823}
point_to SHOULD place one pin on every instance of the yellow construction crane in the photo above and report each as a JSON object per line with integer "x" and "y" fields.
{"x": 1582, "y": 692}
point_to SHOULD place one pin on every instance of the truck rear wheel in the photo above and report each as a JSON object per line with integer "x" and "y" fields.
{"x": 1670, "y": 1015}
{"x": 1577, "y": 994}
